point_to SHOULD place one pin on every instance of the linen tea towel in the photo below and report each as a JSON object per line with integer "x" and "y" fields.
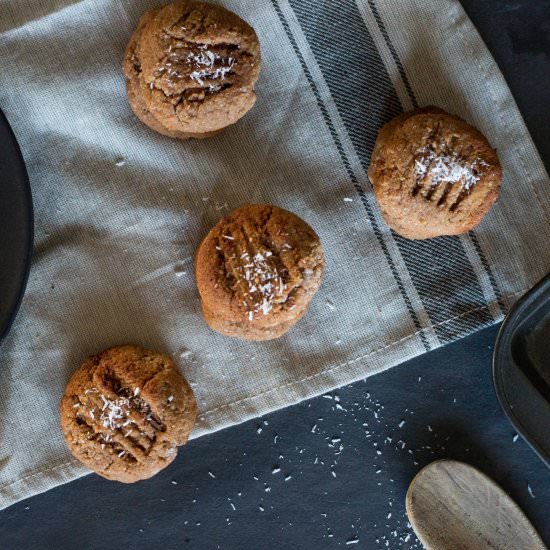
{"x": 120, "y": 210}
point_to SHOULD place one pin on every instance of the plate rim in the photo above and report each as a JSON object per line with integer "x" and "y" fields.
{"x": 27, "y": 193}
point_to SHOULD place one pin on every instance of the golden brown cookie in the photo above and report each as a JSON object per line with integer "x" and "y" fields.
{"x": 433, "y": 174}
{"x": 190, "y": 69}
{"x": 125, "y": 411}
{"x": 257, "y": 272}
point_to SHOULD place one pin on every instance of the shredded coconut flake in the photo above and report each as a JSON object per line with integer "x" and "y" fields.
{"x": 264, "y": 283}
{"x": 205, "y": 62}
{"x": 115, "y": 413}
{"x": 447, "y": 169}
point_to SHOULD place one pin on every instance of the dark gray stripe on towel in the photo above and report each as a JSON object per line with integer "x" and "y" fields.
{"x": 352, "y": 175}
{"x": 414, "y": 102}
{"x": 365, "y": 98}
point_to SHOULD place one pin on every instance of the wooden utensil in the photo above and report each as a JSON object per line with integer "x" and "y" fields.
{"x": 453, "y": 506}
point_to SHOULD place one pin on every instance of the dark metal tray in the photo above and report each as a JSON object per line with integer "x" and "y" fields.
{"x": 521, "y": 368}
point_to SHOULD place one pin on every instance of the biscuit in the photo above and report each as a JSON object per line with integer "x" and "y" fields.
{"x": 125, "y": 411}
{"x": 191, "y": 68}
{"x": 433, "y": 174}
{"x": 257, "y": 272}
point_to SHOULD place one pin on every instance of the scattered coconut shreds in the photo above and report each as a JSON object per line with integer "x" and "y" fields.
{"x": 365, "y": 412}
{"x": 515, "y": 438}
{"x": 205, "y": 61}
{"x": 115, "y": 414}
{"x": 433, "y": 169}
{"x": 530, "y": 491}
{"x": 348, "y": 199}
{"x": 265, "y": 286}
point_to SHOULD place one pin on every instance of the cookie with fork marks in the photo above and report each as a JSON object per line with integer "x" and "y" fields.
{"x": 125, "y": 411}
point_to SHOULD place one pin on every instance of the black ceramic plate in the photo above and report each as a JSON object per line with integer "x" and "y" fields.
{"x": 16, "y": 226}
{"x": 521, "y": 368}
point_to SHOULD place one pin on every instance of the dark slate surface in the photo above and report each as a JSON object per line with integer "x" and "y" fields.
{"x": 517, "y": 32}
{"x": 226, "y": 490}
{"x": 333, "y": 487}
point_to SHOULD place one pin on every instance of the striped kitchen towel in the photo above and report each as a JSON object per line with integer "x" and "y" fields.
{"x": 120, "y": 210}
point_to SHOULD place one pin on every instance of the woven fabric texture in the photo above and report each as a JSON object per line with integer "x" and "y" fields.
{"x": 120, "y": 210}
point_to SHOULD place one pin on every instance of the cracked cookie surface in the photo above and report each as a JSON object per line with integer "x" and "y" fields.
{"x": 125, "y": 411}
{"x": 433, "y": 174}
{"x": 190, "y": 69}
{"x": 257, "y": 272}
